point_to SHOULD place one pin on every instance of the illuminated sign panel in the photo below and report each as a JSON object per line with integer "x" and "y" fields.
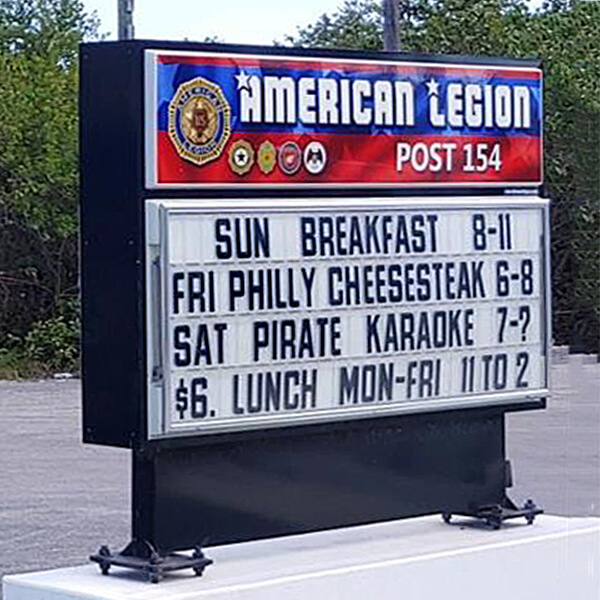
{"x": 269, "y": 313}
{"x": 230, "y": 119}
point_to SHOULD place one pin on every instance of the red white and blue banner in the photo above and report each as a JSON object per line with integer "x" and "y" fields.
{"x": 230, "y": 119}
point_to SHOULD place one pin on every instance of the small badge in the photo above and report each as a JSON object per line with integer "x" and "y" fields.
{"x": 199, "y": 121}
{"x": 315, "y": 157}
{"x": 267, "y": 156}
{"x": 290, "y": 158}
{"x": 241, "y": 157}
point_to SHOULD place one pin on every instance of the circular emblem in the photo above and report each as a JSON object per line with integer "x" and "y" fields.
{"x": 315, "y": 157}
{"x": 241, "y": 157}
{"x": 290, "y": 158}
{"x": 199, "y": 121}
{"x": 267, "y": 156}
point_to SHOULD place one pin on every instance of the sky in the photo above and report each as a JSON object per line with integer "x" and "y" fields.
{"x": 232, "y": 21}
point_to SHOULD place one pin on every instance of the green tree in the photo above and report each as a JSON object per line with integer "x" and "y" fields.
{"x": 38, "y": 161}
{"x": 565, "y": 34}
{"x": 355, "y": 25}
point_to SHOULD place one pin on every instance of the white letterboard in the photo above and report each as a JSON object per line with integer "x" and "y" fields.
{"x": 280, "y": 312}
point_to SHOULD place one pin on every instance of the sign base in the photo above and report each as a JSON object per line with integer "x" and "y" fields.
{"x": 141, "y": 556}
{"x": 417, "y": 559}
{"x": 319, "y": 477}
{"x": 494, "y": 515}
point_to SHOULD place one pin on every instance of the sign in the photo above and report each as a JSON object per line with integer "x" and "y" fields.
{"x": 276, "y": 313}
{"x": 230, "y": 119}
{"x": 302, "y": 261}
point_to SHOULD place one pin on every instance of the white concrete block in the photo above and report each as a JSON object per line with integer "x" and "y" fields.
{"x": 414, "y": 559}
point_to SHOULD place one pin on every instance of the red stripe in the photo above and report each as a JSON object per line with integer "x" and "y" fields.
{"x": 485, "y": 72}
{"x": 354, "y": 159}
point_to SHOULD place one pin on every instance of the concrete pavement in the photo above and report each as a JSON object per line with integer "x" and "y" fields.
{"x": 555, "y": 453}
{"x": 60, "y": 499}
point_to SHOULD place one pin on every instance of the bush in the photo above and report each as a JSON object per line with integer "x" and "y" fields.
{"x": 15, "y": 365}
{"x": 54, "y": 343}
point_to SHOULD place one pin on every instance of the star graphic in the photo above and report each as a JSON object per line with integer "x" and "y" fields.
{"x": 432, "y": 87}
{"x": 242, "y": 80}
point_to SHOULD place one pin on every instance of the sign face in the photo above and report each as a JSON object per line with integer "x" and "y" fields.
{"x": 230, "y": 119}
{"x": 266, "y": 314}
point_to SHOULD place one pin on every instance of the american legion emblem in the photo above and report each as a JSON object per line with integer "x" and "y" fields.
{"x": 199, "y": 121}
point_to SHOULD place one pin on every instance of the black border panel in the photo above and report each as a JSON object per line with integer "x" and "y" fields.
{"x": 112, "y": 244}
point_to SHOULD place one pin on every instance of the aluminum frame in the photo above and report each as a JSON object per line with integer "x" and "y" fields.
{"x": 157, "y": 212}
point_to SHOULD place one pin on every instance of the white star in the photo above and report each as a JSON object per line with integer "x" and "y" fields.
{"x": 242, "y": 81}
{"x": 432, "y": 87}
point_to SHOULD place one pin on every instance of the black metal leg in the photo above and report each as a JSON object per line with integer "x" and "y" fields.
{"x": 142, "y": 556}
{"x": 494, "y": 515}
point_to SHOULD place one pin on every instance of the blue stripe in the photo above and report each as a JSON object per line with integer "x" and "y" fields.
{"x": 171, "y": 76}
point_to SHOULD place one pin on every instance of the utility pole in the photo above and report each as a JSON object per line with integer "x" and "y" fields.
{"x": 125, "y": 8}
{"x": 390, "y": 25}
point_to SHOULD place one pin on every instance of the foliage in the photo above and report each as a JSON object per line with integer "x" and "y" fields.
{"x": 568, "y": 34}
{"x": 14, "y": 364}
{"x": 54, "y": 343}
{"x": 38, "y": 162}
{"x": 50, "y": 346}
{"x": 354, "y": 25}
{"x": 565, "y": 34}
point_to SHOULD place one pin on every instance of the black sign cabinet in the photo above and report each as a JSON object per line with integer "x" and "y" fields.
{"x": 179, "y": 135}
